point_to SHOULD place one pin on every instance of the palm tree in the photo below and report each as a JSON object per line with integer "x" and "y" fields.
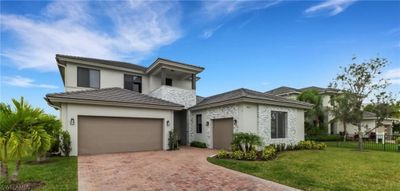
{"x": 316, "y": 114}
{"x": 18, "y": 127}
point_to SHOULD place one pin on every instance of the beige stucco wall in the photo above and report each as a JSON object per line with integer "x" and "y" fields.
{"x": 108, "y": 78}
{"x": 69, "y": 111}
{"x": 367, "y": 125}
{"x": 252, "y": 118}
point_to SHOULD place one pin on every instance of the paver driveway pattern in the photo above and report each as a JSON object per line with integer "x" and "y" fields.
{"x": 186, "y": 169}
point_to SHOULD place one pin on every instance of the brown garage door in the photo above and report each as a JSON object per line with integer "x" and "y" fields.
{"x": 222, "y": 133}
{"x": 98, "y": 135}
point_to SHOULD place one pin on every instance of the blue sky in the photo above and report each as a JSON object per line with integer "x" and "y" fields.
{"x": 259, "y": 45}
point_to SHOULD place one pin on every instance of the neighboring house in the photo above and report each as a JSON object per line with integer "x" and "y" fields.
{"x": 335, "y": 127}
{"x": 111, "y": 106}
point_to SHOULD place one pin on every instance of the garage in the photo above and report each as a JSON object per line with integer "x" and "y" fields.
{"x": 101, "y": 135}
{"x": 222, "y": 133}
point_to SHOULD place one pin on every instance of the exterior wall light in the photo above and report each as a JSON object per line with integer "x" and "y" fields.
{"x": 234, "y": 121}
{"x": 207, "y": 123}
{"x": 72, "y": 121}
{"x": 167, "y": 122}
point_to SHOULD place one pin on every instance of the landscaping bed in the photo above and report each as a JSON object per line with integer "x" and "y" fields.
{"x": 331, "y": 169}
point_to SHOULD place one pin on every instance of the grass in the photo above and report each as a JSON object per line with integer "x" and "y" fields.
{"x": 60, "y": 173}
{"x": 332, "y": 169}
{"x": 368, "y": 145}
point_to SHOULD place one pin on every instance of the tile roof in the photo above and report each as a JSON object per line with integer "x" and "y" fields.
{"x": 284, "y": 90}
{"x": 247, "y": 93}
{"x": 113, "y": 95}
{"x": 106, "y": 62}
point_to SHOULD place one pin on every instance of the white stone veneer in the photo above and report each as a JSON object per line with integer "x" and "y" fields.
{"x": 295, "y": 123}
{"x": 231, "y": 111}
{"x": 181, "y": 96}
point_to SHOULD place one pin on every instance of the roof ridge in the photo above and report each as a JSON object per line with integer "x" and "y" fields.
{"x": 100, "y": 59}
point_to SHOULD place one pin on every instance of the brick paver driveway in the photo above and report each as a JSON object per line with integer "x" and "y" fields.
{"x": 186, "y": 169}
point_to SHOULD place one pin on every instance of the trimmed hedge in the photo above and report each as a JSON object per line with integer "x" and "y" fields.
{"x": 198, "y": 144}
{"x": 324, "y": 138}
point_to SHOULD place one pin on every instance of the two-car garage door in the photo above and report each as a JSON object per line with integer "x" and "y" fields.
{"x": 98, "y": 135}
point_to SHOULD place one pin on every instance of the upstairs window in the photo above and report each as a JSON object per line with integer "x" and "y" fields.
{"x": 132, "y": 82}
{"x": 168, "y": 81}
{"x": 199, "y": 125}
{"x": 89, "y": 78}
{"x": 278, "y": 124}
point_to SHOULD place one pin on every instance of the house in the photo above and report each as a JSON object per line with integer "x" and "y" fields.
{"x": 110, "y": 106}
{"x": 335, "y": 127}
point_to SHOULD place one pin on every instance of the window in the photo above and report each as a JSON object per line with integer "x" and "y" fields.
{"x": 168, "y": 81}
{"x": 133, "y": 83}
{"x": 278, "y": 124}
{"x": 199, "y": 128}
{"x": 88, "y": 78}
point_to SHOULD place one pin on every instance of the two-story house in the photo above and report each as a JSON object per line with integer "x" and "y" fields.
{"x": 111, "y": 106}
{"x": 335, "y": 127}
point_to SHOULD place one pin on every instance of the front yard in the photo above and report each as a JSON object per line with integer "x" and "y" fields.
{"x": 331, "y": 169}
{"x": 59, "y": 173}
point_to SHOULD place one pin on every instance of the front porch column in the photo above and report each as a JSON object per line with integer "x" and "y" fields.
{"x": 193, "y": 81}
{"x": 163, "y": 76}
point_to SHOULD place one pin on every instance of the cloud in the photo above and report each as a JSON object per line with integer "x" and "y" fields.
{"x": 393, "y": 75}
{"x": 24, "y": 82}
{"x": 333, "y": 6}
{"x": 219, "y": 8}
{"x": 207, "y": 33}
{"x": 128, "y": 30}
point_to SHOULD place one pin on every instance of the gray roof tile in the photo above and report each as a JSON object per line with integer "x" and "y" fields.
{"x": 113, "y": 95}
{"x": 247, "y": 93}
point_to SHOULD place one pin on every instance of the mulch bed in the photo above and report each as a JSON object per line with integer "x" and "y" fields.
{"x": 24, "y": 186}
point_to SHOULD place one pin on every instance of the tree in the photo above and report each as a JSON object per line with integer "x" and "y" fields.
{"x": 360, "y": 81}
{"x": 341, "y": 110}
{"x": 383, "y": 105}
{"x": 18, "y": 125}
{"x": 314, "y": 116}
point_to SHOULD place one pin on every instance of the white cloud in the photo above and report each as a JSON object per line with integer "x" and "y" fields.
{"x": 24, "y": 82}
{"x": 220, "y": 8}
{"x": 393, "y": 75}
{"x": 128, "y": 30}
{"x": 333, "y": 6}
{"x": 207, "y": 33}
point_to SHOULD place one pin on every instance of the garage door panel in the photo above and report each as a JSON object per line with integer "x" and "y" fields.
{"x": 222, "y": 133}
{"x": 97, "y": 135}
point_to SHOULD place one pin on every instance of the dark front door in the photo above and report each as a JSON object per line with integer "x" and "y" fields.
{"x": 180, "y": 126}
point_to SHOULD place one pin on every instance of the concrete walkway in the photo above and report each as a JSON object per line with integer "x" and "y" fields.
{"x": 185, "y": 169}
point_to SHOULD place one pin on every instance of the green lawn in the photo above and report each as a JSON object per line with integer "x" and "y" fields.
{"x": 368, "y": 145}
{"x": 332, "y": 169}
{"x": 59, "y": 174}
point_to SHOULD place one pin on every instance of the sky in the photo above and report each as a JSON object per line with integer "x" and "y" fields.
{"x": 258, "y": 45}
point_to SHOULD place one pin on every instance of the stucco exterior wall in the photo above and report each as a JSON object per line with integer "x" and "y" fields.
{"x": 184, "y": 97}
{"x": 108, "y": 78}
{"x": 69, "y": 111}
{"x": 366, "y": 125}
{"x": 253, "y": 118}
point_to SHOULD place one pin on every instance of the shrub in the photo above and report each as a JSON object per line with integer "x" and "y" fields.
{"x": 198, "y": 144}
{"x": 268, "y": 153}
{"x": 173, "y": 141}
{"x": 398, "y": 140}
{"x": 251, "y": 155}
{"x": 324, "y": 138}
{"x": 222, "y": 154}
{"x": 238, "y": 155}
{"x": 66, "y": 143}
{"x": 312, "y": 145}
{"x": 246, "y": 141}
